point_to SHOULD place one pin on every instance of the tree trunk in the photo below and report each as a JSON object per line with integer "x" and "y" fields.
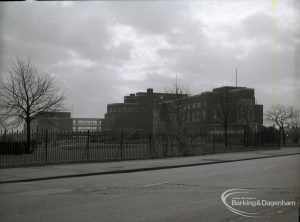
{"x": 225, "y": 135}
{"x": 248, "y": 135}
{"x": 27, "y": 136}
{"x": 283, "y": 136}
{"x": 179, "y": 129}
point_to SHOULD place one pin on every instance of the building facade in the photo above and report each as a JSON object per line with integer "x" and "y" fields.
{"x": 136, "y": 112}
{"x": 52, "y": 121}
{"x": 62, "y": 121}
{"x": 201, "y": 114}
{"x": 208, "y": 111}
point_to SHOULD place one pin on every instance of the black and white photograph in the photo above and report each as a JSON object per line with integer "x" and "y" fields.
{"x": 149, "y": 110}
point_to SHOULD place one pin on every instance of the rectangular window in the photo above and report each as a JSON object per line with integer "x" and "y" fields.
{"x": 204, "y": 114}
{"x": 215, "y": 115}
{"x": 198, "y": 116}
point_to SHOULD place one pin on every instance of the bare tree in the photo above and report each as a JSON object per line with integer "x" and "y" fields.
{"x": 280, "y": 116}
{"x": 26, "y": 94}
{"x": 223, "y": 109}
{"x": 172, "y": 112}
{"x": 293, "y": 124}
{"x": 175, "y": 108}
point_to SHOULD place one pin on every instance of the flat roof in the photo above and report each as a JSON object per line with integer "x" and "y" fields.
{"x": 86, "y": 118}
{"x": 122, "y": 104}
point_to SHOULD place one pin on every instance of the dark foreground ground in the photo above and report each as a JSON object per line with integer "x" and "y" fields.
{"x": 181, "y": 194}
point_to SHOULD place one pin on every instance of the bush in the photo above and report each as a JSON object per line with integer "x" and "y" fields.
{"x": 16, "y": 147}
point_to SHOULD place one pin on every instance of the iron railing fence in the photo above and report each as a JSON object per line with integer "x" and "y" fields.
{"x": 70, "y": 146}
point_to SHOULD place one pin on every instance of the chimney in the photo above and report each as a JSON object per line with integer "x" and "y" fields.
{"x": 150, "y": 90}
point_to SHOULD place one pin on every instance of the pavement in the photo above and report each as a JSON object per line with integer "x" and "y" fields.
{"x": 47, "y": 172}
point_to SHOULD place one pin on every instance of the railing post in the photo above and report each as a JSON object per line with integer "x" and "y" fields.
{"x": 150, "y": 144}
{"x": 279, "y": 138}
{"x": 229, "y": 141}
{"x": 213, "y": 140}
{"x": 244, "y": 140}
{"x": 256, "y": 139}
{"x": 88, "y": 145}
{"x": 46, "y": 147}
{"x": 262, "y": 139}
{"x": 121, "y": 145}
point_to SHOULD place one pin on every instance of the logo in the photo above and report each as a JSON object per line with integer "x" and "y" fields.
{"x": 240, "y": 202}
{"x": 231, "y": 192}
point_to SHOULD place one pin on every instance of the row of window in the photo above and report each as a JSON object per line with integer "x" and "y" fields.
{"x": 246, "y": 101}
{"x": 85, "y": 128}
{"x": 125, "y": 109}
{"x": 87, "y": 122}
{"x": 191, "y": 117}
{"x": 196, "y": 116}
{"x": 195, "y": 105}
{"x": 201, "y": 116}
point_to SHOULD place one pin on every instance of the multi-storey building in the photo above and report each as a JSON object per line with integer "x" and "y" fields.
{"x": 162, "y": 112}
{"x": 136, "y": 112}
{"x": 62, "y": 121}
{"x": 208, "y": 111}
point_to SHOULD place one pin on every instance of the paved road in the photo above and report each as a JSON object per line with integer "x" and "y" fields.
{"x": 182, "y": 194}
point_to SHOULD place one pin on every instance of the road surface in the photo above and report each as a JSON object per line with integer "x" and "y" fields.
{"x": 181, "y": 194}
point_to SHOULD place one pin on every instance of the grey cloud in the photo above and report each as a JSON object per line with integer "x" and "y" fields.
{"x": 153, "y": 17}
{"x": 75, "y": 43}
{"x": 63, "y": 29}
{"x": 90, "y": 92}
{"x": 259, "y": 24}
{"x": 264, "y": 27}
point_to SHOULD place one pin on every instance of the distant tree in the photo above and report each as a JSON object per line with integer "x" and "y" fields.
{"x": 26, "y": 94}
{"x": 175, "y": 108}
{"x": 280, "y": 116}
{"x": 173, "y": 115}
{"x": 223, "y": 108}
{"x": 293, "y": 124}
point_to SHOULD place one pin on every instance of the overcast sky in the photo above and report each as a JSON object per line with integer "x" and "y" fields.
{"x": 102, "y": 51}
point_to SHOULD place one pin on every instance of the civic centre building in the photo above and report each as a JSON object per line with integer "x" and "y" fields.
{"x": 158, "y": 112}
{"x": 152, "y": 112}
